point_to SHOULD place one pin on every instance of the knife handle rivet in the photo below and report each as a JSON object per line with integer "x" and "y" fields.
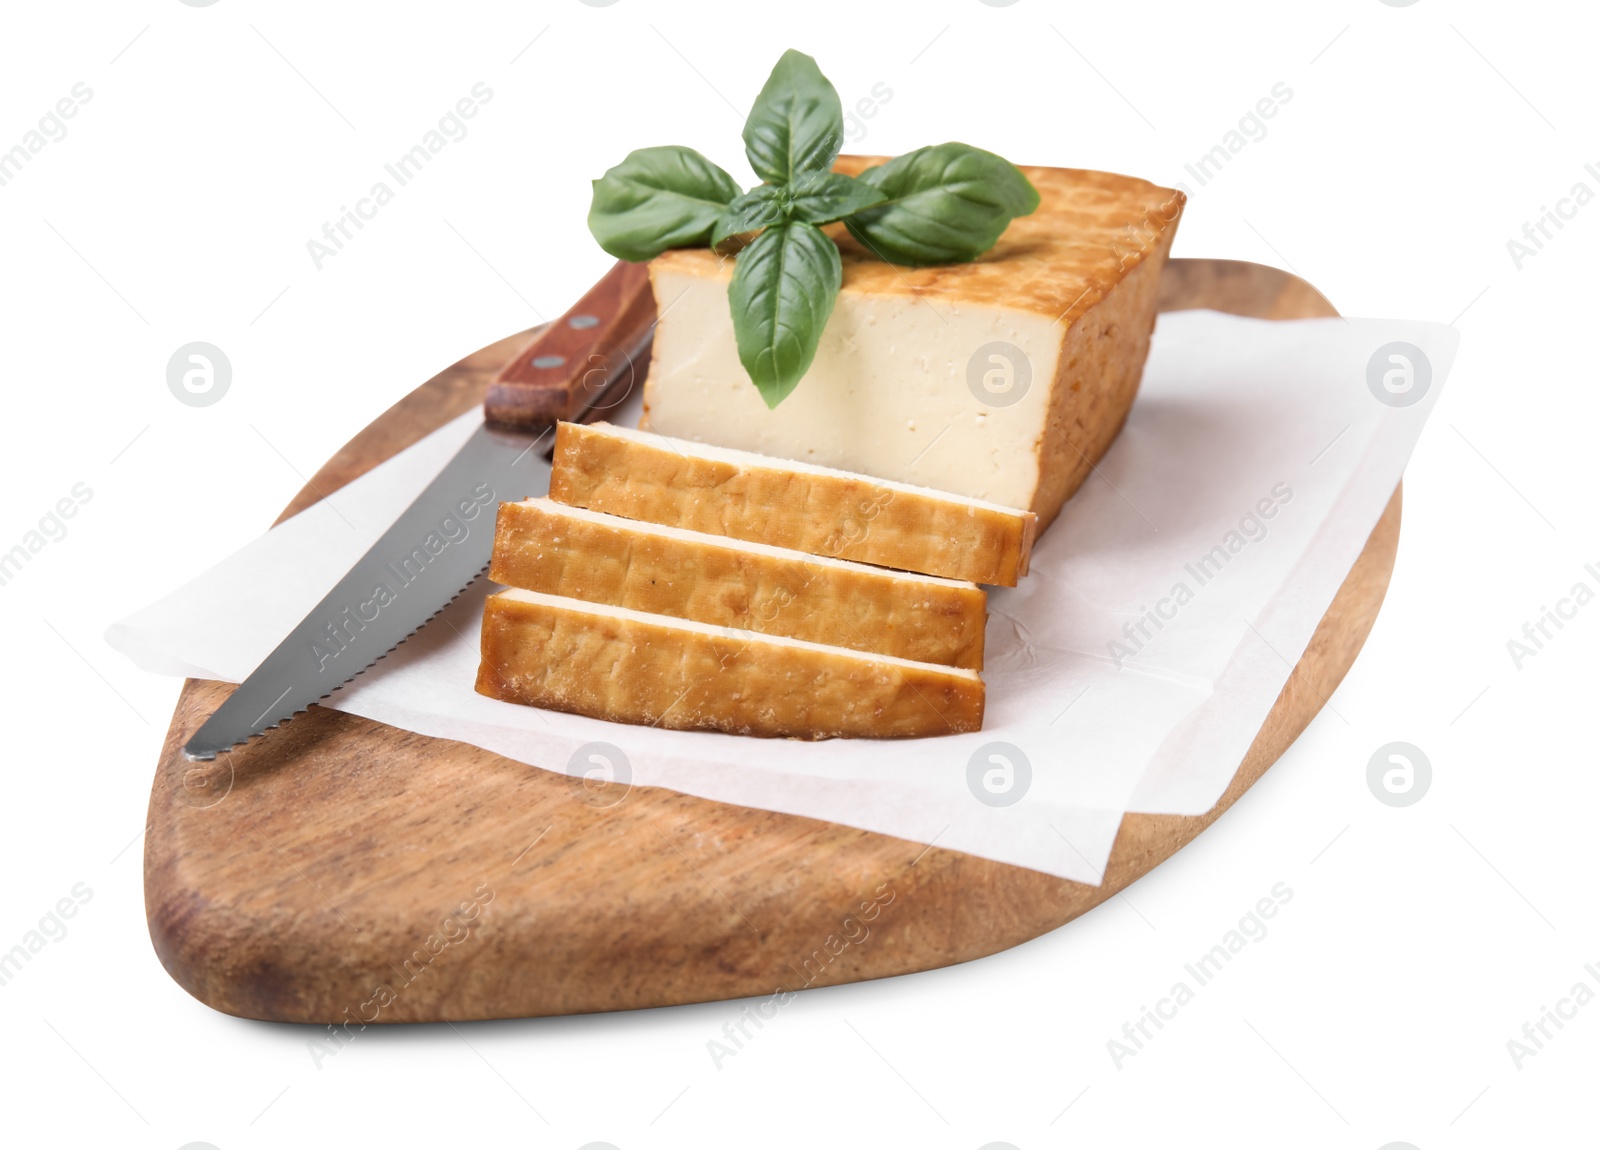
{"x": 549, "y": 360}
{"x": 584, "y": 321}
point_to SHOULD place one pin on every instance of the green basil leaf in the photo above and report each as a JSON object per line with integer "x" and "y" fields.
{"x": 760, "y": 207}
{"x": 658, "y": 198}
{"x": 784, "y": 286}
{"x": 822, "y": 197}
{"x": 945, "y": 204}
{"x": 796, "y": 124}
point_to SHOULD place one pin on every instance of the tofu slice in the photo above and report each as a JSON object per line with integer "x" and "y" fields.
{"x": 541, "y": 545}
{"x": 649, "y": 477}
{"x": 631, "y": 667}
{"x": 1005, "y": 379}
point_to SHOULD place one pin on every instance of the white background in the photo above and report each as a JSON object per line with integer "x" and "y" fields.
{"x": 218, "y": 140}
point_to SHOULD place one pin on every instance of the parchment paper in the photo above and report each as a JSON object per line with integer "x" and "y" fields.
{"x": 1130, "y": 671}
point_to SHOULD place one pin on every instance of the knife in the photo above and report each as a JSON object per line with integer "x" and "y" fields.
{"x": 584, "y": 364}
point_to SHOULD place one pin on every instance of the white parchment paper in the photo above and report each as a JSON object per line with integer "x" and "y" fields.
{"x": 1130, "y": 671}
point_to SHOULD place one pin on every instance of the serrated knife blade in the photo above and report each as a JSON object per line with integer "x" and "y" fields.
{"x": 432, "y": 553}
{"x": 443, "y": 541}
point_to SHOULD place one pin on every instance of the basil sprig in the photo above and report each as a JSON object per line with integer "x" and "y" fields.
{"x": 943, "y": 204}
{"x": 658, "y": 198}
{"x": 796, "y": 124}
{"x": 783, "y": 289}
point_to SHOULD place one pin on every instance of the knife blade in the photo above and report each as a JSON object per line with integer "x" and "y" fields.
{"x": 441, "y": 544}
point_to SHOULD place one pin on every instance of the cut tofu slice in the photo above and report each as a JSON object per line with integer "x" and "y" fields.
{"x": 631, "y": 667}
{"x": 819, "y": 510}
{"x": 541, "y": 545}
{"x": 1004, "y": 379}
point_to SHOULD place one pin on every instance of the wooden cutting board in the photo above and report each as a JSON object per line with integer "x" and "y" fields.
{"x": 342, "y": 870}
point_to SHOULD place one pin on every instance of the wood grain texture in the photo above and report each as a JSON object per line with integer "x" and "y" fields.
{"x": 345, "y": 871}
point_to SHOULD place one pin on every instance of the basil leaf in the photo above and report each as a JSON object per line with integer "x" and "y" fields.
{"x": 822, "y": 197}
{"x": 658, "y": 198}
{"x": 758, "y": 208}
{"x": 796, "y": 124}
{"x": 945, "y": 204}
{"x": 783, "y": 289}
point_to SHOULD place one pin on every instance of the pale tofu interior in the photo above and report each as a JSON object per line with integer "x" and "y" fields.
{"x": 887, "y": 394}
{"x": 700, "y": 539}
{"x": 602, "y": 610}
{"x": 752, "y": 457}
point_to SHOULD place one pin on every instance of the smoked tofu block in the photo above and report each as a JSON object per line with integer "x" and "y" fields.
{"x": 631, "y": 667}
{"x": 541, "y": 545}
{"x": 1004, "y": 379}
{"x": 821, "y": 511}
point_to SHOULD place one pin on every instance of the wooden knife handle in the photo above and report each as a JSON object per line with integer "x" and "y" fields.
{"x": 592, "y": 357}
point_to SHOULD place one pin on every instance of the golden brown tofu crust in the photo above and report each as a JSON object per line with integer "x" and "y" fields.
{"x": 838, "y": 515}
{"x": 709, "y": 579}
{"x": 1089, "y": 232}
{"x": 657, "y": 672}
{"x": 1097, "y": 379}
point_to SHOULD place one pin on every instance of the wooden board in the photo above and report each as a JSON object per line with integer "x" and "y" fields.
{"x": 340, "y": 870}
